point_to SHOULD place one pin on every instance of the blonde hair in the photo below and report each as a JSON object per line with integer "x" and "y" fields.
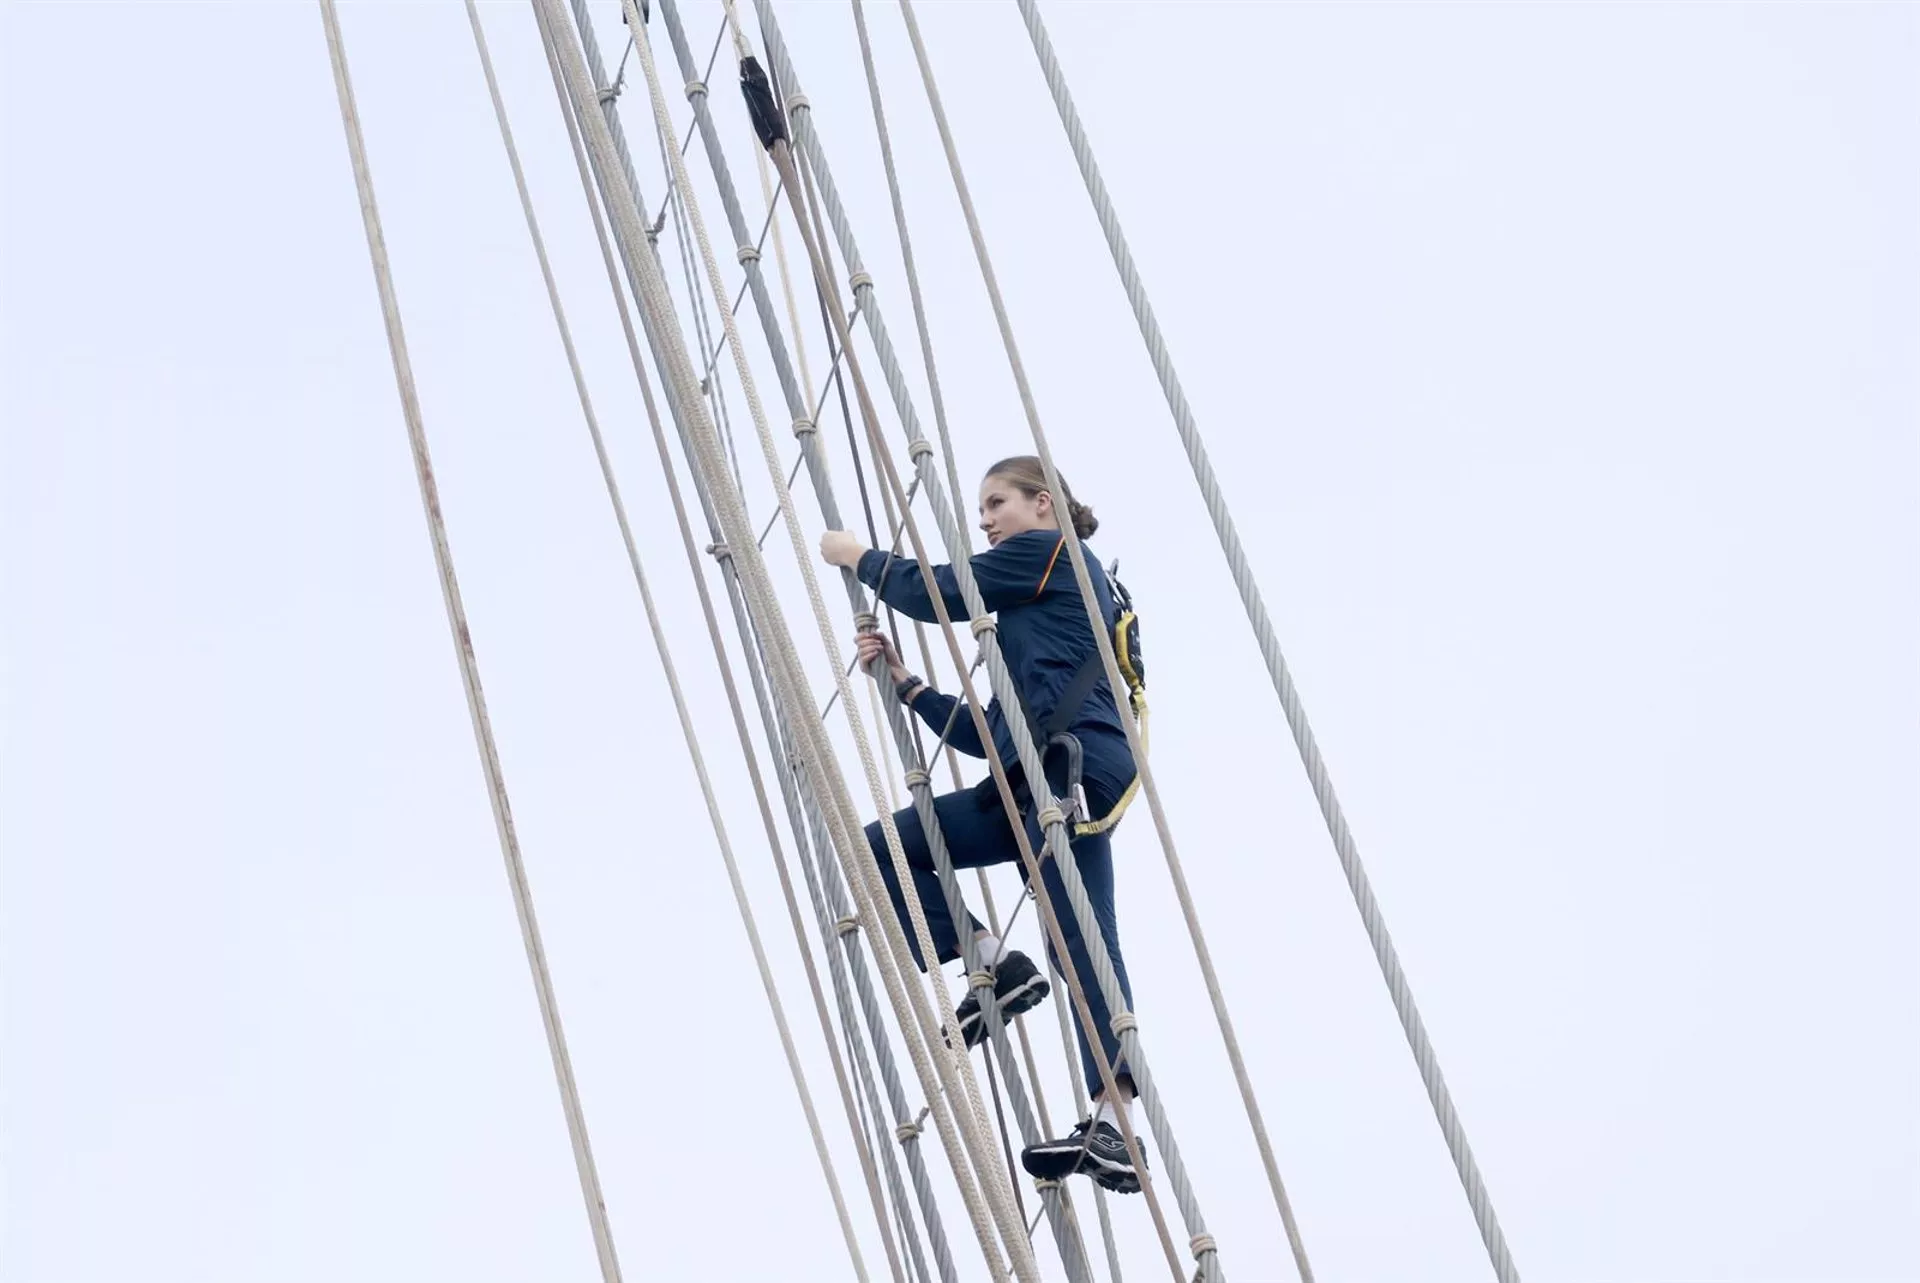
{"x": 1024, "y": 473}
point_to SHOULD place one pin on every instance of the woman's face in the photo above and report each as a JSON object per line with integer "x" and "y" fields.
{"x": 1005, "y": 510}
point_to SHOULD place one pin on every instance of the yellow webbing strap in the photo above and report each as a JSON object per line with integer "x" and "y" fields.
{"x": 1112, "y": 817}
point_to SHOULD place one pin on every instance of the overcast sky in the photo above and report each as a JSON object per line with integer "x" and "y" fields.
{"x": 1559, "y": 361}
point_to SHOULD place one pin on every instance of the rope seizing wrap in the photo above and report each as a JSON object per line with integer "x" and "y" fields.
{"x": 768, "y": 120}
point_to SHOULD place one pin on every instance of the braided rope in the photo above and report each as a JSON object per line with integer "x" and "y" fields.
{"x": 824, "y": 887}
{"x": 1080, "y": 1107}
{"x": 921, "y": 328}
{"x": 810, "y": 753}
{"x": 691, "y": 736}
{"x": 1176, "y": 1168}
{"x": 814, "y": 460}
{"x": 998, "y": 674}
{"x": 469, "y": 664}
{"x": 826, "y": 890}
{"x": 1066, "y": 1236}
{"x": 996, "y": 1183}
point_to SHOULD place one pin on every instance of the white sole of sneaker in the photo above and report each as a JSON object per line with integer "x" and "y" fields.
{"x": 1017, "y": 1001}
{"x": 1119, "y": 1178}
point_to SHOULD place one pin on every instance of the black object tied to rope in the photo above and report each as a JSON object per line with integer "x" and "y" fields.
{"x": 762, "y": 104}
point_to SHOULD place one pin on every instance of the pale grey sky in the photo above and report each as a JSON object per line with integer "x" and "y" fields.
{"x": 1560, "y": 364}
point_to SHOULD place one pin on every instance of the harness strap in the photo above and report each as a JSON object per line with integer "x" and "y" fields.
{"x": 1066, "y": 708}
{"x": 1055, "y": 731}
{"x": 1085, "y": 678}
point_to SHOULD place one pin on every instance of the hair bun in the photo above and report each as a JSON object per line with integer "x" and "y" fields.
{"x": 1026, "y": 473}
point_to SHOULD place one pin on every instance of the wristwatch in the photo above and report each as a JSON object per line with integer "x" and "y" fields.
{"x": 903, "y": 690}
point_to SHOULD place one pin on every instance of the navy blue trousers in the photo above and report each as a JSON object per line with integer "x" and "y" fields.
{"x": 977, "y": 837}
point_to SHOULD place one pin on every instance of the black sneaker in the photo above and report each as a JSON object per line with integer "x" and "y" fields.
{"x": 1018, "y": 985}
{"x": 1101, "y": 1154}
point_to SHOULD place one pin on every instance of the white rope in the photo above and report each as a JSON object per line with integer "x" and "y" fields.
{"x": 1059, "y": 1212}
{"x": 1001, "y": 678}
{"x": 995, "y": 1180}
{"x": 1123, "y": 1021}
{"x": 694, "y": 749}
{"x": 790, "y": 680}
{"x": 814, "y": 459}
{"x": 664, "y": 122}
{"x": 1080, "y": 1106}
{"x": 989, "y": 650}
{"x": 953, "y": 477}
{"x": 873, "y": 688}
{"x": 887, "y": 750}
{"x": 469, "y": 664}
{"x": 713, "y": 389}
{"x": 1358, "y": 883}
{"x": 983, "y": 627}
{"x": 906, "y": 257}
{"x": 825, "y": 888}
{"x": 1057, "y": 842}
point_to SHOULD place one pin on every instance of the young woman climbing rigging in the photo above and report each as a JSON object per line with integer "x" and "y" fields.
{"x": 1026, "y": 579}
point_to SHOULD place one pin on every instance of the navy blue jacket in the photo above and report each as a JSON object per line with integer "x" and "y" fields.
{"x": 1027, "y": 582}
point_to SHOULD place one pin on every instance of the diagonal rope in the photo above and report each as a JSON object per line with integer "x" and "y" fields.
{"x": 713, "y": 389}
{"x": 828, "y": 906}
{"x": 1344, "y": 846}
{"x": 823, "y": 489}
{"x": 1204, "y": 1245}
{"x": 1229, "y": 1036}
{"x": 924, "y": 332}
{"x": 695, "y": 752}
{"x": 838, "y": 921}
{"x": 995, "y": 1181}
{"x": 1055, "y": 1203}
{"x": 834, "y": 377}
{"x": 767, "y": 225}
{"x": 1124, "y": 1023}
{"x": 713, "y": 56}
{"x": 906, "y": 257}
{"x": 1112, "y": 671}
{"x": 790, "y": 679}
{"x": 469, "y": 664}
{"x": 1053, "y": 1200}
{"x": 985, "y": 629}
{"x": 1080, "y": 1104}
